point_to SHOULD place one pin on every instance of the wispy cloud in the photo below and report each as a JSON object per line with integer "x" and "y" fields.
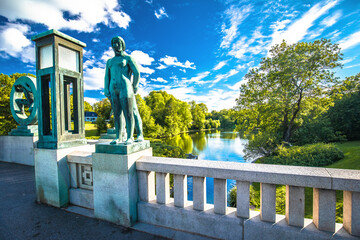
{"x": 84, "y": 16}
{"x": 173, "y": 61}
{"x": 225, "y": 76}
{"x": 350, "y": 41}
{"x": 235, "y": 16}
{"x": 219, "y": 65}
{"x": 331, "y": 20}
{"x": 355, "y": 65}
{"x": 198, "y": 78}
{"x": 161, "y": 13}
{"x": 143, "y": 59}
{"x": 159, "y": 79}
{"x": 299, "y": 29}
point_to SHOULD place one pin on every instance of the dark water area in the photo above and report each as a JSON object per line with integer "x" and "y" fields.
{"x": 214, "y": 145}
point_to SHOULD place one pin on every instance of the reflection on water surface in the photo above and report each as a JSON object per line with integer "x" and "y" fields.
{"x": 214, "y": 145}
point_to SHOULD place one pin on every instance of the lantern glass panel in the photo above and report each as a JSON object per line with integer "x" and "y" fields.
{"x": 68, "y": 59}
{"x": 46, "y": 56}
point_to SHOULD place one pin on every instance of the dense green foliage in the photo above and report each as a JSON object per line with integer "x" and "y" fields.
{"x": 314, "y": 155}
{"x": 101, "y": 125}
{"x": 293, "y": 84}
{"x": 103, "y": 108}
{"x": 225, "y": 118}
{"x": 7, "y": 121}
{"x": 161, "y": 149}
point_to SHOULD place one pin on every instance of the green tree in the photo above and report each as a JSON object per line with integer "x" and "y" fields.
{"x": 7, "y": 121}
{"x": 103, "y": 108}
{"x": 198, "y": 114}
{"x": 291, "y": 84}
{"x": 88, "y": 107}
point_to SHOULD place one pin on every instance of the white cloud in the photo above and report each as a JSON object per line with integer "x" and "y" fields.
{"x": 237, "y": 85}
{"x": 96, "y": 40}
{"x": 91, "y": 100}
{"x": 161, "y": 67}
{"x": 220, "y": 65}
{"x": 14, "y": 42}
{"x": 355, "y": 65}
{"x": 350, "y": 41}
{"x": 345, "y": 61}
{"x": 94, "y": 78}
{"x": 236, "y": 16}
{"x": 198, "y": 78}
{"x": 159, "y": 79}
{"x": 331, "y": 20}
{"x": 173, "y": 61}
{"x": 225, "y": 76}
{"x": 108, "y": 54}
{"x": 84, "y": 16}
{"x": 161, "y": 13}
{"x": 299, "y": 29}
{"x": 142, "y": 59}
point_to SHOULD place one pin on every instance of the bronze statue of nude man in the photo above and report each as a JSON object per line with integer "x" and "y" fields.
{"x": 121, "y": 91}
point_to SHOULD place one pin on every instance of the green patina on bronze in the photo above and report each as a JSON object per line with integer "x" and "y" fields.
{"x": 23, "y": 106}
{"x": 55, "y": 86}
{"x": 121, "y": 92}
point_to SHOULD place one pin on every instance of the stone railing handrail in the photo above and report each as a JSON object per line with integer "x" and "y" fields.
{"x": 325, "y": 178}
{"x": 324, "y": 182}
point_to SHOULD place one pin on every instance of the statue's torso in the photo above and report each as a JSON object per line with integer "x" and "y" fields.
{"x": 120, "y": 74}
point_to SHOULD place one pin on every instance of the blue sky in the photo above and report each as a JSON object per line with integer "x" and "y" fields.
{"x": 196, "y": 50}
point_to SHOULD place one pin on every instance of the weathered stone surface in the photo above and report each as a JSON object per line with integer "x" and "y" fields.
{"x": 199, "y": 193}
{"x": 12, "y": 151}
{"x": 324, "y": 209}
{"x": 162, "y": 188}
{"x": 121, "y": 148}
{"x": 267, "y": 202}
{"x": 146, "y": 186}
{"x": 81, "y": 197}
{"x": 206, "y": 223}
{"x": 295, "y": 205}
{"x": 242, "y": 199}
{"x": 351, "y": 218}
{"x": 52, "y": 174}
{"x": 180, "y": 190}
{"x": 344, "y": 179}
{"x": 116, "y": 186}
{"x": 220, "y": 196}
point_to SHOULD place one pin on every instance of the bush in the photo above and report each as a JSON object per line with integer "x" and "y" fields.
{"x": 160, "y": 149}
{"x": 101, "y": 125}
{"x": 315, "y": 155}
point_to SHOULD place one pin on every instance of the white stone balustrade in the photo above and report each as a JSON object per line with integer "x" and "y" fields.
{"x": 323, "y": 181}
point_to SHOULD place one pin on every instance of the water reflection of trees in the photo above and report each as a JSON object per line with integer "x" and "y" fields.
{"x": 183, "y": 141}
{"x": 197, "y": 142}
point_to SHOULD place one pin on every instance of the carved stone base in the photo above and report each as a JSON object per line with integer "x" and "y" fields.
{"x": 121, "y": 148}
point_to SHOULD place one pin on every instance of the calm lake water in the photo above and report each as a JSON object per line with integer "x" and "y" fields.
{"x": 212, "y": 145}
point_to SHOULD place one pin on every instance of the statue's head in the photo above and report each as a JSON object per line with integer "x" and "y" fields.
{"x": 118, "y": 44}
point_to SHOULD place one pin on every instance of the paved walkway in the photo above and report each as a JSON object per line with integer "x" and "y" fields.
{"x": 22, "y": 218}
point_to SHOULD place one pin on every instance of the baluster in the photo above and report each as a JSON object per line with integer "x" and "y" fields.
{"x": 295, "y": 205}
{"x": 351, "y": 220}
{"x": 267, "y": 202}
{"x": 324, "y": 209}
{"x": 220, "y": 196}
{"x": 180, "y": 190}
{"x": 199, "y": 193}
{"x": 242, "y": 199}
{"x": 162, "y": 188}
{"x": 146, "y": 186}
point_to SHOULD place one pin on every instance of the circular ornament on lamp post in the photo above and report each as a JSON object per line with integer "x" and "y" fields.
{"x": 23, "y": 101}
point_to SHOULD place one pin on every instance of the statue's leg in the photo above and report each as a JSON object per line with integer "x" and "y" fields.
{"x": 127, "y": 106}
{"x": 116, "y": 106}
{"x": 138, "y": 124}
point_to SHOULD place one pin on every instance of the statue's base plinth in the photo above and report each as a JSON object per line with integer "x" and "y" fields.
{"x": 121, "y": 148}
{"x": 25, "y": 130}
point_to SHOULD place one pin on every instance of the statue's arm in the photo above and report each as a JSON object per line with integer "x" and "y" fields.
{"x": 107, "y": 80}
{"x": 134, "y": 68}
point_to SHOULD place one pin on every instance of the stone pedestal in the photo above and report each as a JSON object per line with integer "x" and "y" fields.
{"x": 25, "y": 130}
{"x": 52, "y": 174}
{"x": 115, "y": 181}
